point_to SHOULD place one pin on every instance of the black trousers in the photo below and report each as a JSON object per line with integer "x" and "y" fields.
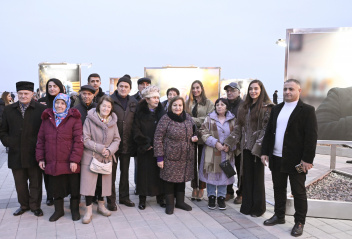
{"x": 196, "y": 182}
{"x": 29, "y": 196}
{"x": 297, "y": 182}
{"x": 253, "y": 194}
{"x": 172, "y": 188}
{"x": 238, "y": 170}
{"x": 124, "y": 186}
{"x": 49, "y": 193}
{"x": 64, "y": 185}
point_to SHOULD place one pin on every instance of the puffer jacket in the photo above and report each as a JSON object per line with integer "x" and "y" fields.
{"x": 62, "y": 145}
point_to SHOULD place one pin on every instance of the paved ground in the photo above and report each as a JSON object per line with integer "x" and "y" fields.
{"x": 154, "y": 223}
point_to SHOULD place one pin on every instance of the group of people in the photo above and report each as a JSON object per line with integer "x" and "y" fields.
{"x": 173, "y": 142}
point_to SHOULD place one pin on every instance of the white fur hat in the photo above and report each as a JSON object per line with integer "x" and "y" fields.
{"x": 150, "y": 91}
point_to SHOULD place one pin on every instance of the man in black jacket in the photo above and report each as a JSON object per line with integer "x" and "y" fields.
{"x": 125, "y": 108}
{"x": 95, "y": 81}
{"x": 19, "y": 130}
{"x": 290, "y": 139}
{"x": 233, "y": 96}
{"x": 86, "y": 101}
{"x": 142, "y": 84}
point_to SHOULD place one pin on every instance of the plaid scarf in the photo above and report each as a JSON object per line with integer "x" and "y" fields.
{"x": 23, "y": 108}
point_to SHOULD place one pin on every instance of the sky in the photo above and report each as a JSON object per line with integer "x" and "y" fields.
{"x": 123, "y": 37}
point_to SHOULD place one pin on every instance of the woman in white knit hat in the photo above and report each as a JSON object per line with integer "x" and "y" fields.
{"x": 147, "y": 116}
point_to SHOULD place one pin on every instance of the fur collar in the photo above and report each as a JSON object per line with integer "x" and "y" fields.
{"x": 93, "y": 116}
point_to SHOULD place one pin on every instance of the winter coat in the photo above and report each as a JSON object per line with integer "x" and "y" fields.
{"x": 125, "y": 122}
{"x": 59, "y": 146}
{"x": 334, "y": 115}
{"x": 250, "y": 136}
{"x": 2, "y": 107}
{"x": 233, "y": 107}
{"x": 144, "y": 126}
{"x": 300, "y": 138}
{"x": 83, "y": 109}
{"x": 172, "y": 140}
{"x": 98, "y": 96}
{"x": 204, "y": 108}
{"x": 20, "y": 134}
{"x": 212, "y": 132}
{"x": 137, "y": 96}
{"x": 102, "y": 135}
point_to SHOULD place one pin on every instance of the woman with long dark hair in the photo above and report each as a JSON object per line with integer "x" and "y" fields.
{"x": 252, "y": 118}
{"x": 198, "y": 106}
{"x": 53, "y": 88}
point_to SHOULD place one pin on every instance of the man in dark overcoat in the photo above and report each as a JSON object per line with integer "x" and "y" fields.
{"x": 125, "y": 108}
{"x": 233, "y": 96}
{"x": 86, "y": 103}
{"x": 18, "y": 131}
{"x": 142, "y": 84}
{"x": 290, "y": 140}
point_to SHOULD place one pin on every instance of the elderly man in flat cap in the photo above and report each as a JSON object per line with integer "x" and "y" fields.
{"x": 19, "y": 129}
{"x": 86, "y": 101}
{"x": 142, "y": 84}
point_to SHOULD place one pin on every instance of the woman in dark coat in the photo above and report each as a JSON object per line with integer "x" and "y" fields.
{"x": 252, "y": 119}
{"x": 148, "y": 114}
{"x": 174, "y": 148}
{"x": 53, "y": 88}
{"x": 59, "y": 151}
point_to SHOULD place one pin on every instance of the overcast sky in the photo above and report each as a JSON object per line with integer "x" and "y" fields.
{"x": 120, "y": 37}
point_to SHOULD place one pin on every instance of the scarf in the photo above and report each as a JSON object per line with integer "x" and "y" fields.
{"x": 59, "y": 117}
{"x": 178, "y": 118}
{"x": 104, "y": 120}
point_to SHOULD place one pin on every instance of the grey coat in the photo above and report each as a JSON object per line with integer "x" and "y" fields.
{"x": 102, "y": 135}
{"x": 223, "y": 131}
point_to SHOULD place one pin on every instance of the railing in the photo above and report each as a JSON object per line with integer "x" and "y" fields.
{"x": 333, "y": 144}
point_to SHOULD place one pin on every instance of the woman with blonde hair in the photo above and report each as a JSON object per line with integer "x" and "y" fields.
{"x": 198, "y": 106}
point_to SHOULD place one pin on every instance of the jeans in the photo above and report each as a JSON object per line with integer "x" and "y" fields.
{"x": 211, "y": 190}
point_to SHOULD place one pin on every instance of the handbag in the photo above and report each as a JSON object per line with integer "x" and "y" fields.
{"x": 100, "y": 167}
{"x": 227, "y": 168}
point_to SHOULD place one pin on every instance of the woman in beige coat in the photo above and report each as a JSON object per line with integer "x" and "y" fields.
{"x": 198, "y": 106}
{"x": 101, "y": 136}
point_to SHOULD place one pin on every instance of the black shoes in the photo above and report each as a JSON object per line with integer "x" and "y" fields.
{"x": 20, "y": 211}
{"x": 211, "y": 202}
{"x": 112, "y": 207}
{"x": 221, "y": 203}
{"x": 161, "y": 201}
{"x": 142, "y": 200}
{"x": 49, "y": 201}
{"x": 297, "y": 229}
{"x": 38, "y": 212}
{"x": 127, "y": 202}
{"x": 274, "y": 220}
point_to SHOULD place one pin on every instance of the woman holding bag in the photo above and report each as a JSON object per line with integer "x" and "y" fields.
{"x": 215, "y": 129}
{"x": 101, "y": 141}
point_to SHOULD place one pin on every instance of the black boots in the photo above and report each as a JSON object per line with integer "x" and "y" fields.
{"x": 160, "y": 200}
{"x": 142, "y": 200}
{"x": 169, "y": 198}
{"x": 74, "y": 206}
{"x": 59, "y": 210}
{"x": 180, "y": 202}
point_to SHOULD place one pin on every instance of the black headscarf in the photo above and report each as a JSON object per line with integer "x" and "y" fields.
{"x": 50, "y": 98}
